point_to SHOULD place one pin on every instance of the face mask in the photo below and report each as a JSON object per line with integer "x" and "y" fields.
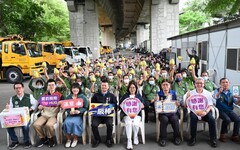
{"x": 184, "y": 75}
{"x": 59, "y": 85}
{"x": 178, "y": 79}
{"x": 130, "y": 77}
{"x": 110, "y": 77}
{"x": 205, "y": 78}
{"x": 126, "y": 80}
{"x": 164, "y": 74}
{"x": 80, "y": 83}
{"x": 39, "y": 86}
{"x": 151, "y": 82}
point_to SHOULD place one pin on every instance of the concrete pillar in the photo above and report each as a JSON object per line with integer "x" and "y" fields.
{"x": 107, "y": 37}
{"x": 142, "y": 33}
{"x": 164, "y": 23}
{"x": 84, "y": 26}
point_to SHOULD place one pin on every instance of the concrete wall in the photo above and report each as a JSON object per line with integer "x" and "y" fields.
{"x": 164, "y": 24}
{"x": 107, "y": 37}
{"x": 84, "y": 26}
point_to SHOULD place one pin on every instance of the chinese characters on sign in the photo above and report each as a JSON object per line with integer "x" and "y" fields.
{"x": 49, "y": 100}
{"x": 197, "y": 103}
{"x": 14, "y": 117}
{"x": 100, "y": 109}
{"x": 131, "y": 106}
{"x": 72, "y": 103}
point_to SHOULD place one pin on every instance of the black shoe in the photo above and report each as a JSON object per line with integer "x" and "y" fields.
{"x": 162, "y": 143}
{"x": 27, "y": 145}
{"x": 51, "y": 143}
{"x": 13, "y": 145}
{"x": 192, "y": 142}
{"x": 213, "y": 143}
{"x": 95, "y": 143}
{"x": 41, "y": 142}
{"x": 177, "y": 141}
{"x": 109, "y": 143}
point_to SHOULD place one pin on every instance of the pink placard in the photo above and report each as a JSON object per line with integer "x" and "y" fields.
{"x": 49, "y": 100}
{"x": 13, "y": 121}
{"x": 131, "y": 106}
{"x": 197, "y": 102}
{"x": 72, "y": 103}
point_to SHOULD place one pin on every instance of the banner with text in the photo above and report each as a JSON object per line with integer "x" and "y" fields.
{"x": 101, "y": 109}
{"x": 72, "y": 103}
{"x": 131, "y": 106}
{"x": 49, "y": 100}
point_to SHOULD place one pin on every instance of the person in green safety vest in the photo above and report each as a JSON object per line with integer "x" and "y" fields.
{"x": 112, "y": 81}
{"x": 21, "y": 99}
{"x": 187, "y": 79}
{"x": 40, "y": 88}
{"x": 208, "y": 84}
{"x": 122, "y": 85}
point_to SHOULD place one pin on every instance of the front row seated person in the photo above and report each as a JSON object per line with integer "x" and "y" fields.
{"x": 224, "y": 102}
{"x": 165, "y": 118}
{"x": 132, "y": 124}
{"x": 103, "y": 96}
{"x": 73, "y": 124}
{"x": 203, "y": 115}
{"x": 48, "y": 117}
{"x": 21, "y": 99}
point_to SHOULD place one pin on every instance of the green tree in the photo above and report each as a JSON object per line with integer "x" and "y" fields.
{"x": 38, "y": 20}
{"x": 193, "y": 16}
{"x": 219, "y": 6}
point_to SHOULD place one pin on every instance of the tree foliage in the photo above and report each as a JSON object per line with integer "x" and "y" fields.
{"x": 38, "y": 20}
{"x": 193, "y": 16}
{"x": 227, "y": 6}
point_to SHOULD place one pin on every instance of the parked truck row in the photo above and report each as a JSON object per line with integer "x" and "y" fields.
{"x": 20, "y": 58}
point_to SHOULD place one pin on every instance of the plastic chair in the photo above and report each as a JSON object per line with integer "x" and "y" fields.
{"x": 180, "y": 125}
{"x": 57, "y": 127}
{"x": 215, "y": 114}
{"x": 236, "y": 109}
{"x": 100, "y": 126}
{"x": 84, "y": 134}
{"x": 121, "y": 124}
{"x": 18, "y": 130}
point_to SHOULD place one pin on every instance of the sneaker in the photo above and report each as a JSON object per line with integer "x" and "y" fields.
{"x": 27, "y": 145}
{"x": 68, "y": 143}
{"x": 162, "y": 143}
{"x": 74, "y": 143}
{"x": 135, "y": 141}
{"x": 41, "y": 142}
{"x": 129, "y": 145}
{"x": 51, "y": 143}
{"x": 13, "y": 145}
{"x": 177, "y": 141}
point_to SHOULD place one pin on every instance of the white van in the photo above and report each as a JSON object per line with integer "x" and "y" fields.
{"x": 86, "y": 51}
{"x": 73, "y": 56}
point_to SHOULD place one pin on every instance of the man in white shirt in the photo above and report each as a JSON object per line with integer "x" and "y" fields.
{"x": 203, "y": 115}
{"x": 21, "y": 99}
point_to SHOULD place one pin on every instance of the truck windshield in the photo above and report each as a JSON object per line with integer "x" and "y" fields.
{"x": 75, "y": 52}
{"x": 33, "y": 50}
{"x": 59, "y": 48}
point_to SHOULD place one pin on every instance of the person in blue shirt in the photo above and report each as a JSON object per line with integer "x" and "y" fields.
{"x": 166, "y": 118}
{"x": 224, "y": 102}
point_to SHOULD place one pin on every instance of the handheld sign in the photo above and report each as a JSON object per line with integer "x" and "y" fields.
{"x": 101, "y": 109}
{"x": 166, "y": 106}
{"x": 14, "y": 117}
{"x": 197, "y": 104}
{"x": 72, "y": 103}
{"x": 235, "y": 90}
{"x": 131, "y": 107}
{"x": 49, "y": 100}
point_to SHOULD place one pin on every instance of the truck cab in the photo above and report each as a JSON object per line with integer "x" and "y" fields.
{"x": 53, "y": 53}
{"x": 85, "y": 50}
{"x": 73, "y": 56}
{"x": 19, "y": 59}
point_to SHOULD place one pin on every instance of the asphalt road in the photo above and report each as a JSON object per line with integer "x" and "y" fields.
{"x": 6, "y": 90}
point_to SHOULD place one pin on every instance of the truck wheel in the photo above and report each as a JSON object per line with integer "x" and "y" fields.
{"x": 13, "y": 75}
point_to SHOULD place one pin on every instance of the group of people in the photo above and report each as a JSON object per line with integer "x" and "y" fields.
{"x": 112, "y": 80}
